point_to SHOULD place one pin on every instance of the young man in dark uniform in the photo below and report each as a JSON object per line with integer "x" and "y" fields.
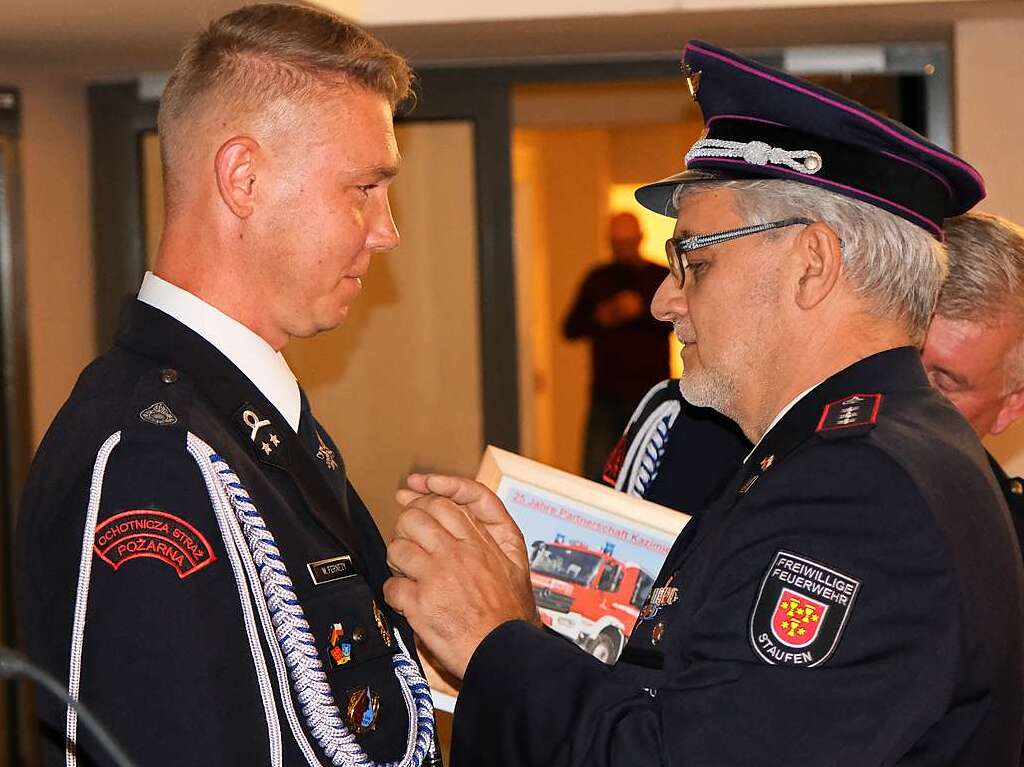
{"x": 854, "y": 596}
{"x": 192, "y": 560}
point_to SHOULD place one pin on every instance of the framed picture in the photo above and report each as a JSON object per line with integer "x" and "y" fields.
{"x": 594, "y": 552}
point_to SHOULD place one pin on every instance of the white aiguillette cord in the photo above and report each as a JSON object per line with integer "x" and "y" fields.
{"x": 643, "y": 459}
{"x": 262, "y": 579}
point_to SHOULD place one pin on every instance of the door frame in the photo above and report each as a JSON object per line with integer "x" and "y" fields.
{"x": 15, "y": 439}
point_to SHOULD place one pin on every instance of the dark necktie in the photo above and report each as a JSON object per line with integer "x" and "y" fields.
{"x": 311, "y": 435}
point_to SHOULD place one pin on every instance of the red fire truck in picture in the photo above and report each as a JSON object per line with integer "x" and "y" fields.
{"x": 587, "y": 595}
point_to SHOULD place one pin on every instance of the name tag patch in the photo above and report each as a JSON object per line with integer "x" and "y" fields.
{"x": 154, "y": 534}
{"x": 333, "y": 569}
{"x": 801, "y": 611}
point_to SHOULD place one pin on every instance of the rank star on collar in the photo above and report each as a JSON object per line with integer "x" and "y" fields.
{"x": 263, "y": 432}
{"x": 271, "y": 443}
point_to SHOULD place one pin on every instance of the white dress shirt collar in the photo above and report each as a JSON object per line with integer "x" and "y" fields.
{"x": 266, "y": 368}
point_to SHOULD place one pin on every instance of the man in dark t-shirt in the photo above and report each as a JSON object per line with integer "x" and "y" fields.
{"x": 629, "y": 348}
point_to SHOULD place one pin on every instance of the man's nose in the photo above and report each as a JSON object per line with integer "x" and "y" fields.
{"x": 384, "y": 234}
{"x": 669, "y": 302}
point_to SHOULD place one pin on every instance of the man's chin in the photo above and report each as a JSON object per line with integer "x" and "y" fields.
{"x": 701, "y": 391}
{"x": 321, "y": 323}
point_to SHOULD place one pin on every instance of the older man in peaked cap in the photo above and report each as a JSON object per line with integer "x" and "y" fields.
{"x": 854, "y": 596}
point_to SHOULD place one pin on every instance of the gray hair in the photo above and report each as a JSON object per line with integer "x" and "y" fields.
{"x": 896, "y": 266}
{"x": 986, "y": 278}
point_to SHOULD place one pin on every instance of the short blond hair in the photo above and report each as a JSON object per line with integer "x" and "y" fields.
{"x": 251, "y": 60}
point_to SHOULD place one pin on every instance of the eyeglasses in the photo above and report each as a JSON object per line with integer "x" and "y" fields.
{"x": 676, "y": 248}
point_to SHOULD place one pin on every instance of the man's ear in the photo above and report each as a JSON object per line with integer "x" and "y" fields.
{"x": 235, "y": 166}
{"x": 821, "y": 260}
{"x": 1012, "y": 410}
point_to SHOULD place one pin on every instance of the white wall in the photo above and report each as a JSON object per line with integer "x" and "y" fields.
{"x": 398, "y": 385}
{"x": 54, "y": 152}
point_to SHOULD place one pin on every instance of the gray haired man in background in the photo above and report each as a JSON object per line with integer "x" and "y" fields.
{"x": 974, "y": 351}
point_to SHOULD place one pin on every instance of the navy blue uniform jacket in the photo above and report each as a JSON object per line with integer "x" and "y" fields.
{"x": 166, "y": 661}
{"x": 853, "y": 597}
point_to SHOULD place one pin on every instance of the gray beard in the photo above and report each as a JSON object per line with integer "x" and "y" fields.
{"x": 713, "y": 390}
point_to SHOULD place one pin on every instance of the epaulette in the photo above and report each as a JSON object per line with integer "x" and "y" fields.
{"x": 851, "y": 416}
{"x": 159, "y": 407}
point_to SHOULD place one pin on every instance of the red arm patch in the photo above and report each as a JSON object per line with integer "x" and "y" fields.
{"x": 156, "y": 534}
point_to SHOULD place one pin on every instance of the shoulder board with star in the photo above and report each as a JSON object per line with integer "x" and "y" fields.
{"x": 850, "y": 416}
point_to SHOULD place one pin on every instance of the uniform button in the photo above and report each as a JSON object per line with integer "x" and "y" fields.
{"x": 168, "y": 375}
{"x": 657, "y": 632}
{"x": 359, "y": 635}
{"x": 1016, "y": 487}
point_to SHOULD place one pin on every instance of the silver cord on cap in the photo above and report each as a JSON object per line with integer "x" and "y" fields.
{"x": 757, "y": 153}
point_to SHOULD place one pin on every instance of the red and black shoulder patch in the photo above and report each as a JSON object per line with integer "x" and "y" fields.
{"x": 857, "y": 411}
{"x": 155, "y": 534}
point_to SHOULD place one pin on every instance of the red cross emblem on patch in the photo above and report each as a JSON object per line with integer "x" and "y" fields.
{"x": 797, "y": 618}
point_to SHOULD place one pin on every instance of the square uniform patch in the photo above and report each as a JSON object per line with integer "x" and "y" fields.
{"x": 800, "y": 611}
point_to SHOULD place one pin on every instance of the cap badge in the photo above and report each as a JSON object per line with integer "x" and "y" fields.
{"x": 692, "y": 80}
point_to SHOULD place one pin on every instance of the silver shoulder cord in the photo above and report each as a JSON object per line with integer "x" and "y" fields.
{"x": 262, "y": 579}
{"x": 643, "y": 459}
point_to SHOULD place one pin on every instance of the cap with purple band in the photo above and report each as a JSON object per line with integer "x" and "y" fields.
{"x": 763, "y": 123}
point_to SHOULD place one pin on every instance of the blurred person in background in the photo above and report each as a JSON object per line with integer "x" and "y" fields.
{"x": 628, "y": 347}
